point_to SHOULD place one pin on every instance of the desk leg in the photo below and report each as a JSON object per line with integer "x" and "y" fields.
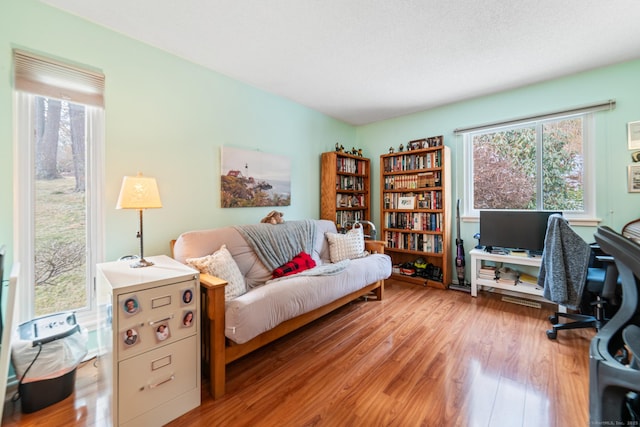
{"x": 474, "y": 276}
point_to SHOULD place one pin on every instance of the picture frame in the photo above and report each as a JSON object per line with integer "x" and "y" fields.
{"x": 253, "y": 178}
{"x": 633, "y": 135}
{"x": 633, "y": 179}
{"x": 406, "y": 202}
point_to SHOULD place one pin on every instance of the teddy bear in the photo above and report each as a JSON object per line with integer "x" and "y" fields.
{"x": 273, "y": 217}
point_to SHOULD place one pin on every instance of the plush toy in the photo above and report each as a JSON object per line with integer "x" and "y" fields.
{"x": 273, "y": 217}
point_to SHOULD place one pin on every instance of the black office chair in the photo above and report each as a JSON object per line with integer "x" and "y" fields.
{"x": 614, "y": 382}
{"x": 578, "y": 276}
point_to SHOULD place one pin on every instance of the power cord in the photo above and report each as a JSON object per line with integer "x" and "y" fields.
{"x": 16, "y": 395}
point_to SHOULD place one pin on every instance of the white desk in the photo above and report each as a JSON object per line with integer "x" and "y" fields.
{"x": 479, "y": 255}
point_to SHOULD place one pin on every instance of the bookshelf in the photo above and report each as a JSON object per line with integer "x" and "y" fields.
{"x": 344, "y": 192}
{"x": 415, "y": 211}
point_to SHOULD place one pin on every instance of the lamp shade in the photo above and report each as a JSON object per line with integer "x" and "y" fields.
{"x": 139, "y": 192}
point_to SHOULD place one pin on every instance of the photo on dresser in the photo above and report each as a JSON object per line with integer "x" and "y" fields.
{"x": 162, "y": 332}
{"x": 187, "y": 296}
{"x": 187, "y": 319}
{"x": 131, "y": 306}
{"x": 130, "y": 337}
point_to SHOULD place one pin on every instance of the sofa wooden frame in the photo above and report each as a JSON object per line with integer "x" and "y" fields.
{"x": 217, "y": 351}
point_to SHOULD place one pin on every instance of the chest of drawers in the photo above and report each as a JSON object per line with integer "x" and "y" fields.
{"x": 148, "y": 340}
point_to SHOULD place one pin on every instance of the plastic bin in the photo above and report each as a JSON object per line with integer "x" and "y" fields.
{"x": 46, "y": 352}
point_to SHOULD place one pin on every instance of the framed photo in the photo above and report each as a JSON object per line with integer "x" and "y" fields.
{"x": 408, "y": 202}
{"x": 633, "y": 134}
{"x": 634, "y": 179}
{"x": 187, "y": 296}
{"x": 254, "y": 179}
{"x": 131, "y": 306}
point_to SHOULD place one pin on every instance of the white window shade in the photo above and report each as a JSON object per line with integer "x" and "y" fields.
{"x": 47, "y": 77}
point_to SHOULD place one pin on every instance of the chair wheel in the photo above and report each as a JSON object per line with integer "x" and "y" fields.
{"x": 551, "y": 334}
{"x": 553, "y": 319}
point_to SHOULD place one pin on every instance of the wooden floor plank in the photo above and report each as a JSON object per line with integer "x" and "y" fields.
{"x": 420, "y": 357}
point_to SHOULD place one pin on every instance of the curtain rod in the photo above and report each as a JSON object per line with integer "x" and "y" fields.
{"x": 599, "y": 106}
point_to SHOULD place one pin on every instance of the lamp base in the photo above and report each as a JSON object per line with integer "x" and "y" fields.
{"x": 141, "y": 263}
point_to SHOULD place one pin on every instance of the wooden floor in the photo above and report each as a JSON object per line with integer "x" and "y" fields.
{"x": 421, "y": 357}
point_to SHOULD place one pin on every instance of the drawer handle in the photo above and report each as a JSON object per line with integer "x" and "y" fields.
{"x": 153, "y": 322}
{"x": 171, "y": 378}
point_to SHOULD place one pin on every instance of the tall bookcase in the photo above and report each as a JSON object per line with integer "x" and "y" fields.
{"x": 415, "y": 211}
{"x": 345, "y": 183}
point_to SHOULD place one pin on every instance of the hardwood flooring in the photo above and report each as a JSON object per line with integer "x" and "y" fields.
{"x": 421, "y": 357}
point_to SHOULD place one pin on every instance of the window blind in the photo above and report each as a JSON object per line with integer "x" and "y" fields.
{"x": 599, "y": 106}
{"x": 48, "y": 77}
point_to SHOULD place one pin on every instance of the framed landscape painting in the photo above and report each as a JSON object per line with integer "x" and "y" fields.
{"x": 254, "y": 178}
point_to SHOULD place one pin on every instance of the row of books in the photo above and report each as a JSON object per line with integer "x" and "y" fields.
{"x": 414, "y": 241}
{"x": 350, "y": 200}
{"x": 423, "y": 200}
{"x": 348, "y": 165}
{"x": 350, "y": 183}
{"x": 414, "y": 181}
{"x": 412, "y": 162}
{"x": 506, "y": 275}
{"x": 422, "y": 221}
{"x": 343, "y": 217}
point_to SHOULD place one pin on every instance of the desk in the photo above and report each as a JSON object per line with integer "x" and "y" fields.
{"x": 479, "y": 255}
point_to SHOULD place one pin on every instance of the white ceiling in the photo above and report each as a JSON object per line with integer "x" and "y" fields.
{"x": 361, "y": 61}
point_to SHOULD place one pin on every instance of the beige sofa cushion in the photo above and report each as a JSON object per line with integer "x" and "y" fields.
{"x": 221, "y": 264}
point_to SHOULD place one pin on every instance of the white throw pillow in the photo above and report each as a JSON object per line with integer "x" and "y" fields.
{"x": 221, "y": 264}
{"x": 346, "y": 246}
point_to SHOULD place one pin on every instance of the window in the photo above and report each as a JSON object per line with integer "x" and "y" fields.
{"x": 59, "y": 147}
{"x": 534, "y": 165}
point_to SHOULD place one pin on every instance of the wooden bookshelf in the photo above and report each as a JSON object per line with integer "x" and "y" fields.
{"x": 344, "y": 192}
{"x": 415, "y": 210}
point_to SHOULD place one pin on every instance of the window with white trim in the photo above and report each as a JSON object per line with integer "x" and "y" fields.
{"x": 533, "y": 165}
{"x": 59, "y": 150}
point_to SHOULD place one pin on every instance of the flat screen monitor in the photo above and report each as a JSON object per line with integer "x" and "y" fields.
{"x": 522, "y": 230}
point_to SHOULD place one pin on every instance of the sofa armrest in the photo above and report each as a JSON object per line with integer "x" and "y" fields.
{"x": 374, "y": 246}
{"x": 213, "y": 305}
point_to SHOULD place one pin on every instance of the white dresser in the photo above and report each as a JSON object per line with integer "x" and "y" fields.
{"x": 148, "y": 340}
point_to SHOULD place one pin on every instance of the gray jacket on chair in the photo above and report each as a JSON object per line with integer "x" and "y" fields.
{"x": 565, "y": 262}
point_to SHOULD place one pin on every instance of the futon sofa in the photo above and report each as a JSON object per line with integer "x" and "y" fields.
{"x": 247, "y": 307}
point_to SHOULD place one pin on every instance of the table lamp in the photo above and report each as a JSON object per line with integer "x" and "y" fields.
{"x": 139, "y": 192}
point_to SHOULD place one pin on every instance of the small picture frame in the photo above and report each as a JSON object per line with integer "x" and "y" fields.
{"x": 188, "y": 319}
{"x": 633, "y": 179}
{"x": 130, "y": 337}
{"x": 406, "y": 202}
{"x": 162, "y": 332}
{"x": 131, "y": 306}
{"x": 187, "y": 296}
{"x": 633, "y": 135}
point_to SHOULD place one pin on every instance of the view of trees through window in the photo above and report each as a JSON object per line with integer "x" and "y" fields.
{"x": 60, "y": 206}
{"x": 510, "y": 167}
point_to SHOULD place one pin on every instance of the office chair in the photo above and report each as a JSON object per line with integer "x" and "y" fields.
{"x": 576, "y": 275}
{"x": 614, "y": 383}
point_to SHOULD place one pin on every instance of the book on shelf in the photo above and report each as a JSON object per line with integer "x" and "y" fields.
{"x": 487, "y": 272}
{"x": 514, "y": 252}
{"x": 528, "y": 279}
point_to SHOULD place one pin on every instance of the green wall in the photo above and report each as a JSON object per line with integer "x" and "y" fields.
{"x": 167, "y": 118}
{"x": 615, "y": 206}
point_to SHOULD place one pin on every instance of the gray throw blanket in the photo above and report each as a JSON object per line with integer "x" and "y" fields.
{"x": 565, "y": 262}
{"x": 277, "y": 244}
